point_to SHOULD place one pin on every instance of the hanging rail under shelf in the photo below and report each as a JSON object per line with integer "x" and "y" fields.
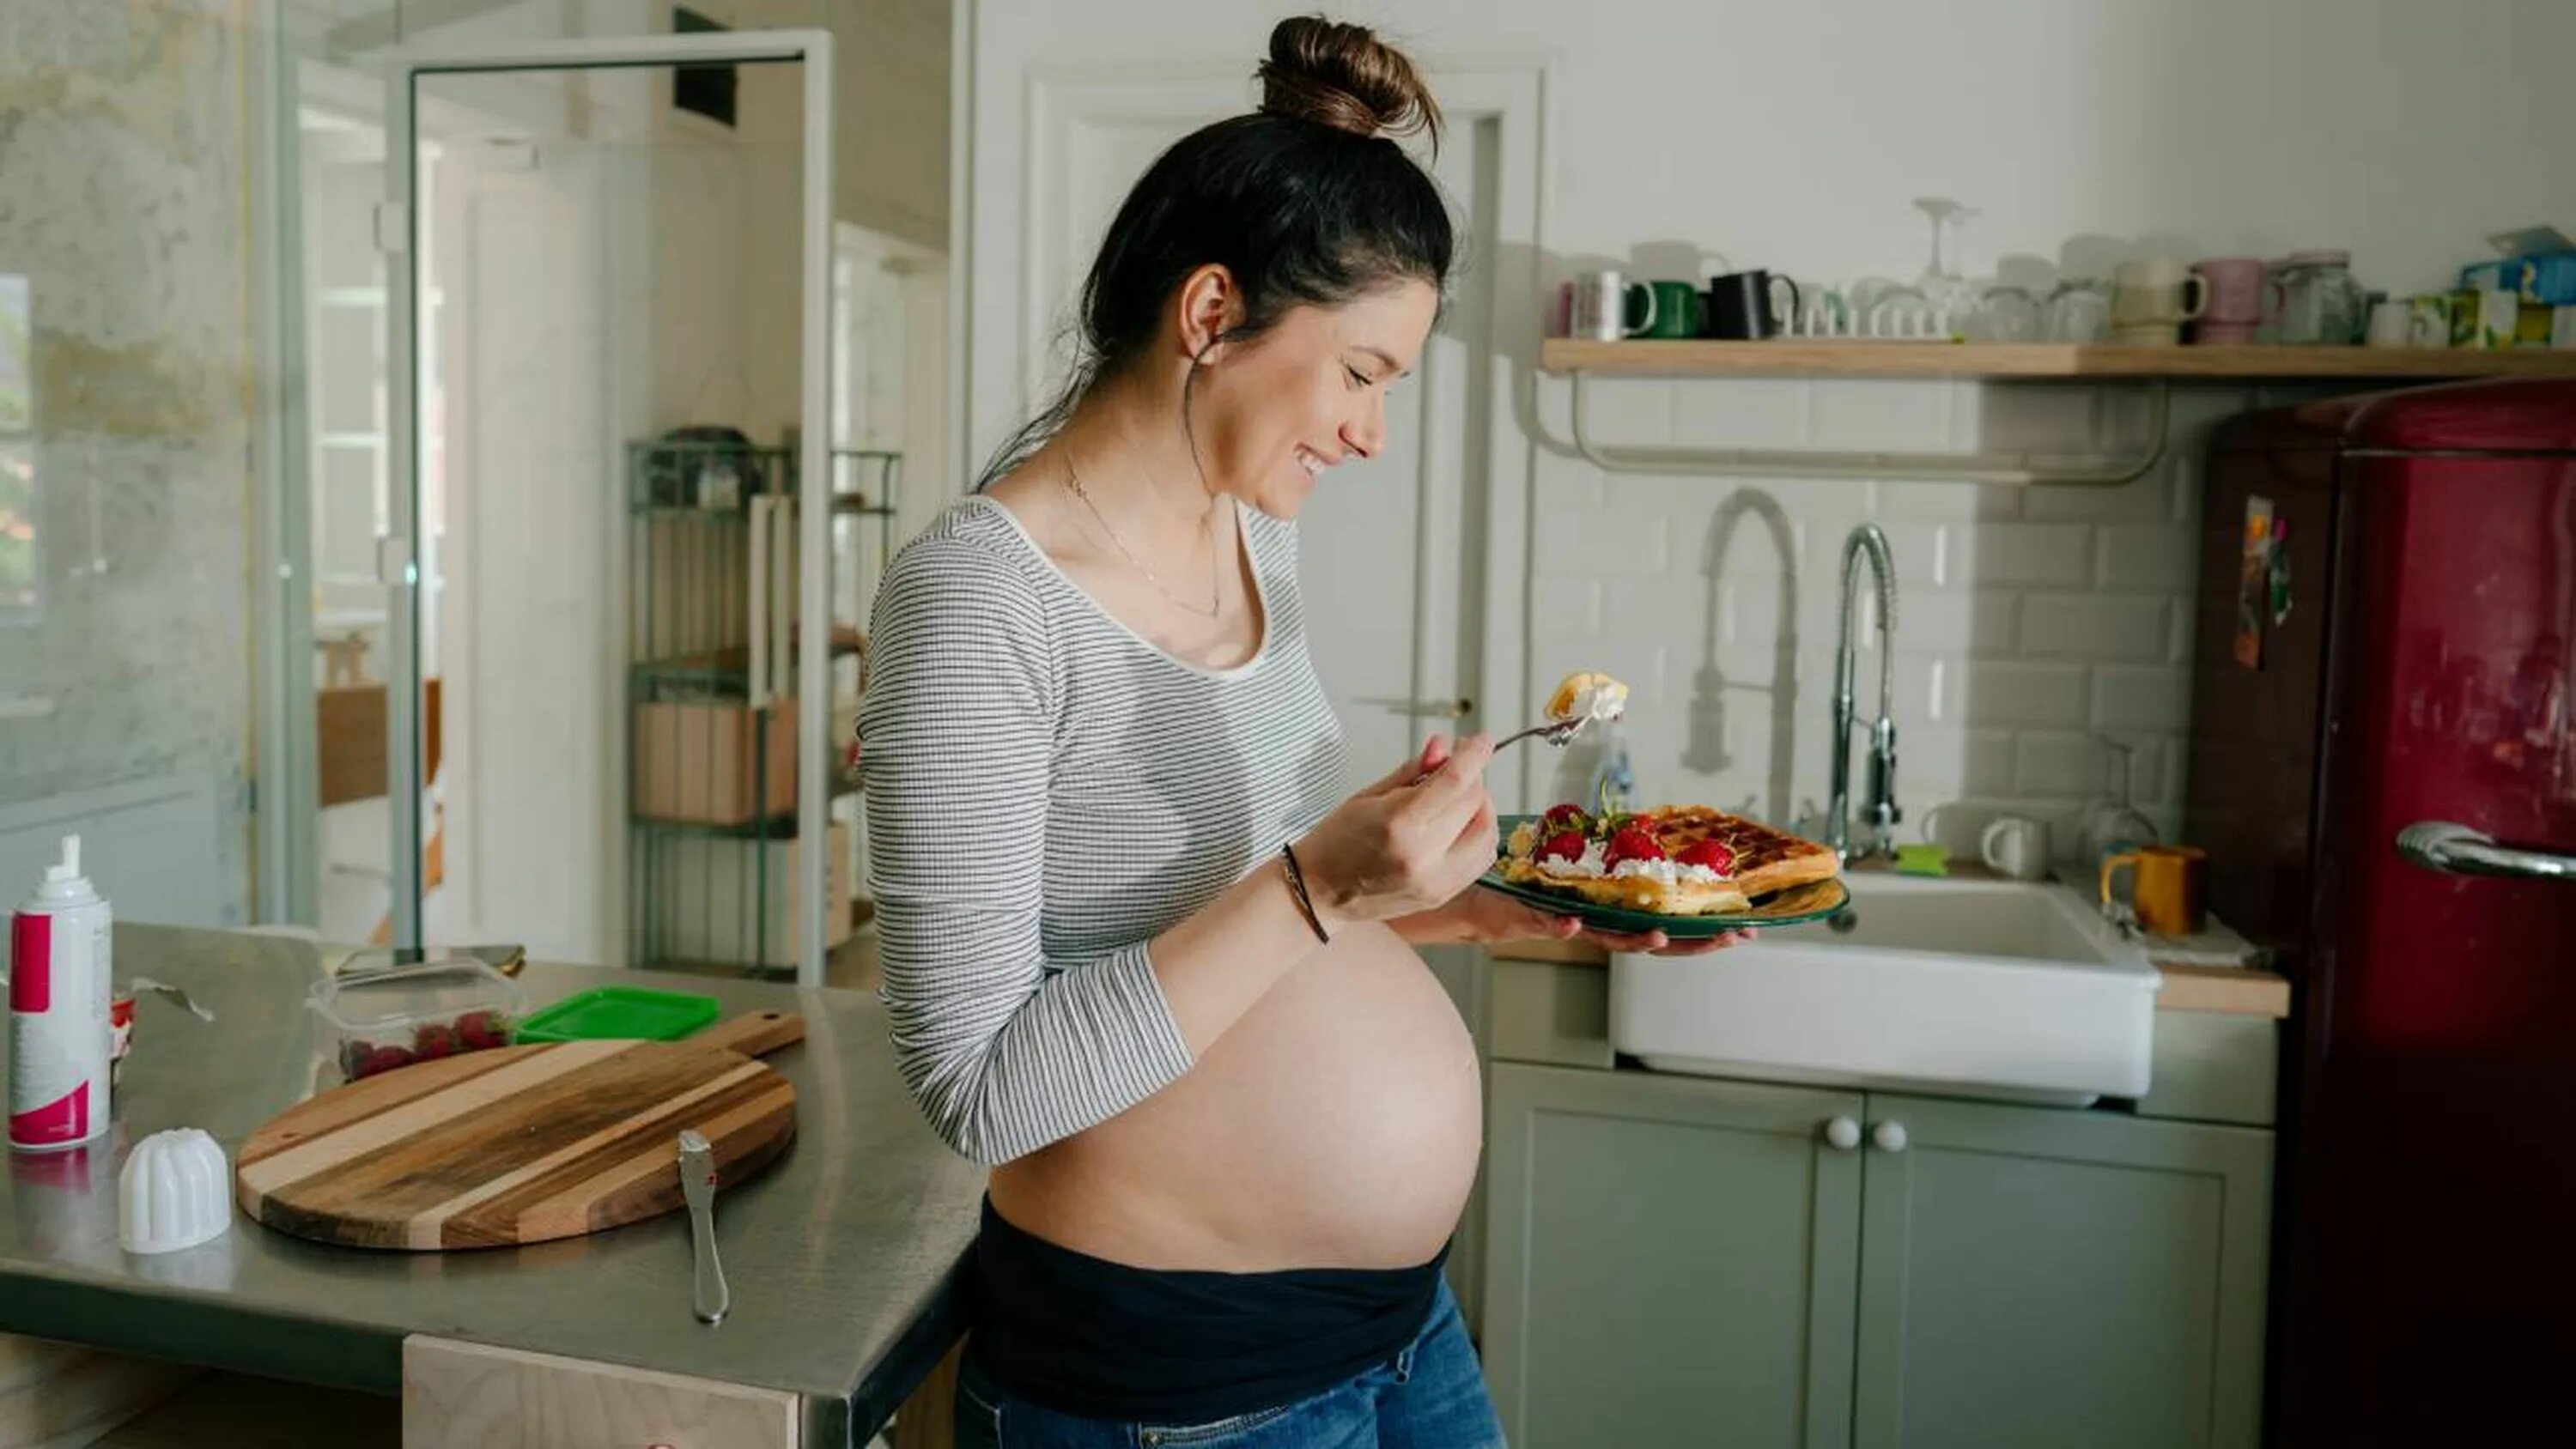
{"x": 2024, "y": 468}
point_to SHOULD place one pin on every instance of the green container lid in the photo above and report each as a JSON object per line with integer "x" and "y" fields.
{"x": 620, "y": 1013}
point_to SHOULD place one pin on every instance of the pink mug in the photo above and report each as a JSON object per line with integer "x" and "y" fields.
{"x": 2235, "y": 291}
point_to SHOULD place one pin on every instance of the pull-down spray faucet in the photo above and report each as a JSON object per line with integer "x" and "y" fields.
{"x": 1869, "y": 541}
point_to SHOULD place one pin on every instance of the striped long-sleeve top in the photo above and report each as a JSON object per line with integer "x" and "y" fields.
{"x": 1046, "y": 792}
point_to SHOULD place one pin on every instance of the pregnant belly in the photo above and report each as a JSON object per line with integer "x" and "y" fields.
{"x": 1336, "y": 1125}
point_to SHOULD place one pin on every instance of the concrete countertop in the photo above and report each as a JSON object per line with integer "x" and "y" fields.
{"x": 842, "y": 1255}
{"x": 2227, "y": 990}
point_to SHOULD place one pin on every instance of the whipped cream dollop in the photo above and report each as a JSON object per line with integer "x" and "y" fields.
{"x": 1593, "y": 864}
{"x": 1587, "y": 695}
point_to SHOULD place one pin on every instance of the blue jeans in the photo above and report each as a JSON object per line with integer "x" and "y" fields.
{"x": 1430, "y": 1395}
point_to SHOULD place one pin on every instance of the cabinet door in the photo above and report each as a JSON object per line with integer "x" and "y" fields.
{"x": 2038, "y": 1277}
{"x": 1669, "y": 1260}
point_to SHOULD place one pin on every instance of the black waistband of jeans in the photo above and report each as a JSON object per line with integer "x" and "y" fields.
{"x": 1103, "y": 1340}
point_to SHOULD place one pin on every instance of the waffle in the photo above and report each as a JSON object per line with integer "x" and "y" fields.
{"x": 1766, "y": 861}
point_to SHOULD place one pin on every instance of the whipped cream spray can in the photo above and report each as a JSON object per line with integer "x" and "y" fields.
{"x": 59, "y": 1032}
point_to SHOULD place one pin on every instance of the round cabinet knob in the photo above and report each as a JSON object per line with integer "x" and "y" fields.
{"x": 1890, "y": 1136}
{"x": 1843, "y": 1133}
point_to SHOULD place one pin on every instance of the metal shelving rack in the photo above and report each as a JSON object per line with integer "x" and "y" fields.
{"x": 711, "y": 780}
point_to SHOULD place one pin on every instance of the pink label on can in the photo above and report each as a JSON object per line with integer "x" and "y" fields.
{"x": 31, "y": 962}
{"x": 61, "y": 1121}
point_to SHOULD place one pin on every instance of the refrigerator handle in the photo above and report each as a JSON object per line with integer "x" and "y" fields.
{"x": 2458, "y": 850}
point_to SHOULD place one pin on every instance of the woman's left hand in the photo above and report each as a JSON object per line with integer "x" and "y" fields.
{"x": 1484, "y": 917}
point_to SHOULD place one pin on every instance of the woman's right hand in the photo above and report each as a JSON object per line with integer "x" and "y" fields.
{"x": 1408, "y": 842}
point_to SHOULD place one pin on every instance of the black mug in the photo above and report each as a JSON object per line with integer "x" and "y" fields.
{"x": 1739, "y": 305}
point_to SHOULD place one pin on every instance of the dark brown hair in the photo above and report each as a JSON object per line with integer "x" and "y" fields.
{"x": 1306, "y": 201}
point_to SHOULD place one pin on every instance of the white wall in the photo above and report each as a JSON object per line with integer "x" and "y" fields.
{"x": 124, "y": 204}
{"x": 1794, "y": 137}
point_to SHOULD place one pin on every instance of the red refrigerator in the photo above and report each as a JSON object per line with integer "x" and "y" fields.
{"x": 2384, "y": 773}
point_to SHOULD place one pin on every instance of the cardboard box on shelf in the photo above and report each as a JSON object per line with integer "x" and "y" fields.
{"x": 713, "y": 762}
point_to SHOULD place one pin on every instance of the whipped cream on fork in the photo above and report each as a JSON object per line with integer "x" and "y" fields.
{"x": 1588, "y": 695}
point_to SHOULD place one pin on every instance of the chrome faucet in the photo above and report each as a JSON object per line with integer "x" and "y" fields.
{"x": 1869, "y": 540}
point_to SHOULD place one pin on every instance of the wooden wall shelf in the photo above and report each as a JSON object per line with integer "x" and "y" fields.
{"x": 1799, "y": 357}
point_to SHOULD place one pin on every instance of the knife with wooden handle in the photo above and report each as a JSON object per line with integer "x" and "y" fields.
{"x": 698, "y": 1185}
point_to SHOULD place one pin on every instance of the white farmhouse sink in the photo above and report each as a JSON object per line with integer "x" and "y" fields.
{"x": 1987, "y": 988}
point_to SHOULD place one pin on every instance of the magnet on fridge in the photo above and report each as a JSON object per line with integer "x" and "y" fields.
{"x": 2277, "y": 570}
{"x": 2252, "y": 575}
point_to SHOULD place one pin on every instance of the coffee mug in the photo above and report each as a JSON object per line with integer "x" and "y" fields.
{"x": 1741, "y": 305}
{"x": 2235, "y": 291}
{"x": 2078, "y": 314}
{"x": 2430, "y": 321}
{"x": 2154, "y": 334}
{"x": 2206, "y": 333}
{"x": 2010, "y": 845}
{"x": 2016, "y": 846}
{"x": 2164, "y": 886}
{"x": 1607, "y": 307}
{"x": 1676, "y": 312}
{"x": 2151, "y": 293}
{"x": 2392, "y": 324}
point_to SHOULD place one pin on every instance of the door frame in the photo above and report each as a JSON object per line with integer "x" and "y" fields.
{"x": 399, "y": 561}
{"x": 1510, "y": 93}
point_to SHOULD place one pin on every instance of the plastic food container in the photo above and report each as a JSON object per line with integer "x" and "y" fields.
{"x": 380, "y": 1020}
{"x": 620, "y": 1013}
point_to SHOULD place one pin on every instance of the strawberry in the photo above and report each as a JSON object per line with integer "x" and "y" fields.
{"x": 1632, "y": 843}
{"x": 385, "y": 1059}
{"x": 480, "y": 1030}
{"x": 1564, "y": 845}
{"x": 1711, "y": 854}
{"x": 434, "y": 1039}
{"x": 1566, "y": 817}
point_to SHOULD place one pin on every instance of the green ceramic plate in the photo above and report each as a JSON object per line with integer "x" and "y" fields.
{"x": 1794, "y": 906}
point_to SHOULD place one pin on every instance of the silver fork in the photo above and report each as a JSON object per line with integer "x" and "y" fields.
{"x": 1558, "y": 732}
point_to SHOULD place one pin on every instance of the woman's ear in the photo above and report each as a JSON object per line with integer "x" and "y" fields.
{"x": 1209, "y": 306}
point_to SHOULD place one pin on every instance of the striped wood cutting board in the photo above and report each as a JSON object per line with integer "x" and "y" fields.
{"x": 519, "y": 1144}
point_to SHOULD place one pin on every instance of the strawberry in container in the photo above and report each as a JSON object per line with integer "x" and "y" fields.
{"x": 379, "y": 1020}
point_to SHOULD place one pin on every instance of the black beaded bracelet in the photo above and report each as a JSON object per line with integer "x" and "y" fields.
{"x": 1297, "y": 888}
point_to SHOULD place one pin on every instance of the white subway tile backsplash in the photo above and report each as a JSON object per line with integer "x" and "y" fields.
{"x": 1603, "y": 542}
{"x": 1881, "y": 415}
{"x": 2027, "y": 618}
{"x": 2144, "y": 499}
{"x": 2048, "y": 418}
{"x": 1993, "y": 555}
{"x": 1565, "y": 606}
{"x": 1891, "y": 503}
{"x": 2159, "y": 559}
{"x": 1999, "y": 693}
{"x": 2060, "y": 764}
{"x": 1741, "y": 412}
{"x": 1981, "y": 622}
{"x": 1627, "y": 410}
{"x": 2094, "y": 626}
{"x": 2129, "y": 697}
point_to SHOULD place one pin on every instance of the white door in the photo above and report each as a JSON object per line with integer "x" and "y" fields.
{"x": 1381, "y": 540}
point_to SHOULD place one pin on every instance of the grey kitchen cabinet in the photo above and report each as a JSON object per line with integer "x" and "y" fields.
{"x": 1669, "y": 1260}
{"x": 1685, "y": 1261}
{"x": 2040, "y": 1277}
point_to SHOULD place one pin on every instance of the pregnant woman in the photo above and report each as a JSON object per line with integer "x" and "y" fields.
{"x": 1140, "y": 953}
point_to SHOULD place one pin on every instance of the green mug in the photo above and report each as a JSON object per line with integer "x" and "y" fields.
{"x": 1673, "y": 309}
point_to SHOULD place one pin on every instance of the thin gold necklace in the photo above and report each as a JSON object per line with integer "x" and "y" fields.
{"x": 1207, "y": 527}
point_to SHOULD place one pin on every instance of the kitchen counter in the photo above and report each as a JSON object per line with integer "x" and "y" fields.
{"x": 843, "y": 1255}
{"x": 2225, "y": 990}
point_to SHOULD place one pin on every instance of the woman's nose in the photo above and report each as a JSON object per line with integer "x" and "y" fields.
{"x": 1366, "y": 434}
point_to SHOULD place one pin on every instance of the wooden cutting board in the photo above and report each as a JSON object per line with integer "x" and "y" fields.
{"x": 519, "y": 1144}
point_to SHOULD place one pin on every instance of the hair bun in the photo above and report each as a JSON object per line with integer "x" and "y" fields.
{"x": 1344, "y": 77}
